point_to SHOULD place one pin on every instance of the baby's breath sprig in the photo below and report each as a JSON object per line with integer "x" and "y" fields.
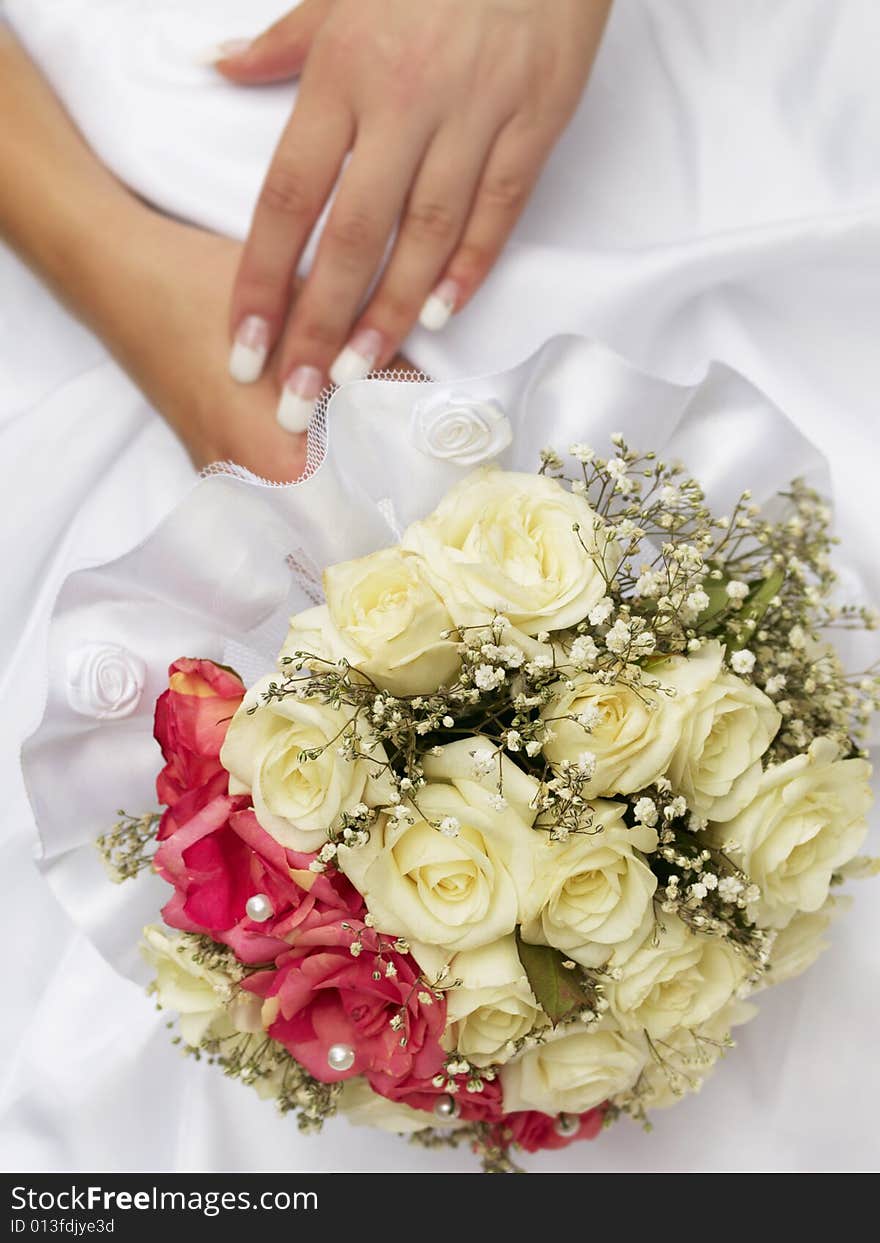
{"x": 762, "y": 583}
{"x": 563, "y": 805}
{"x": 480, "y": 1138}
{"x": 351, "y": 829}
{"x": 495, "y": 695}
{"x": 128, "y": 848}
{"x": 658, "y": 517}
{"x": 458, "y": 1075}
{"x": 696, "y": 880}
{"x": 491, "y": 1146}
{"x": 253, "y": 1058}
{"x": 263, "y": 1063}
{"x": 682, "y": 1068}
{"x": 487, "y": 1141}
{"x": 213, "y": 956}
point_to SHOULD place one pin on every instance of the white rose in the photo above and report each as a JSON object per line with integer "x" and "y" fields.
{"x": 807, "y": 819}
{"x": 684, "y": 1059}
{"x": 637, "y": 728}
{"x": 364, "y": 1107}
{"x": 594, "y": 891}
{"x": 286, "y": 754}
{"x": 492, "y": 1007}
{"x": 502, "y": 543}
{"x": 674, "y": 979}
{"x": 460, "y": 891}
{"x": 386, "y": 620}
{"x": 716, "y": 764}
{"x": 574, "y": 1071}
{"x": 459, "y": 430}
{"x": 207, "y": 1001}
{"x": 802, "y": 940}
{"x": 312, "y": 633}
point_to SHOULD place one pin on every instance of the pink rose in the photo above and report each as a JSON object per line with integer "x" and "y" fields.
{"x": 191, "y": 720}
{"x": 422, "y": 1093}
{"x": 533, "y": 1131}
{"x": 322, "y": 995}
{"x": 192, "y": 802}
{"x": 221, "y": 858}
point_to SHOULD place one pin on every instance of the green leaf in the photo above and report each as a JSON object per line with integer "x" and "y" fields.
{"x": 557, "y": 989}
{"x": 654, "y": 662}
{"x": 756, "y": 604}
{"x": 716, "y": 590}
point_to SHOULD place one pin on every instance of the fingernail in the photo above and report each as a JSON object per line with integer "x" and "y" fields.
{"x": 358, "y": 358}
{"x": 297, "y": 402}
{"x": 435, "y": 314}
{"x": 223, "y": 51}
{"x": 249, "y": 349}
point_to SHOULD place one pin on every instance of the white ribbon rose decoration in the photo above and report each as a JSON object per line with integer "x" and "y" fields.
{"x": 104, "y": 681}
{"x": 462, "y": 431}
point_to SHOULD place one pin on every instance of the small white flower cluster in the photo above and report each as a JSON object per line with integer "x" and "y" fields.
{"x": 352, "y": 830}
{"x": 458, "y": 1074}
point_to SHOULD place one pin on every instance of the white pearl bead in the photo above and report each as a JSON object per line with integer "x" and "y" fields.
{"x": 446, "y": 1107}
{"x": 259, "y": 908}
{"x": 567, "y": 1125}
{"x": 340, "y": 1057}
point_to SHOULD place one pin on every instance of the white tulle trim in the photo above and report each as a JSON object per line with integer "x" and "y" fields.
{"x": 316, "y": 446}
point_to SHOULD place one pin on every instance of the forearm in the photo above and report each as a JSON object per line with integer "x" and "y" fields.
{"x": 67, "y": 217}
{"x": 153, "y": 289}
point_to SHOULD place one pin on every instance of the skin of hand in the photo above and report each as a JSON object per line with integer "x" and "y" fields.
{"x": 173, "y": 346}
{"x": 154, "y": 290}
{"x": 171, "y": 341}
{"x": 445, "y": 111}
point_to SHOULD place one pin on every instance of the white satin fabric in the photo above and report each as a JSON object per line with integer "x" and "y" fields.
{"x": 717, "y": 196}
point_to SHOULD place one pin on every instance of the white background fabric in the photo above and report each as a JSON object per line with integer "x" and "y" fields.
{"x": 717, "y": 196}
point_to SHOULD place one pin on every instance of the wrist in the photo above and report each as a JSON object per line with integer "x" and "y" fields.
{"x": 93, "y": 256}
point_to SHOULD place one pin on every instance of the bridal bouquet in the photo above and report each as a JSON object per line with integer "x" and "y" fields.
{"x": 525, "y": 813}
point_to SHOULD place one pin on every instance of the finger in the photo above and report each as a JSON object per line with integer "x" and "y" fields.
{"x": 505, "y": 186}
{"x": 352, "y": 247}
{"x": 261, "y": 446}
{"x": 271, "y": 452}
{"x": 303, "y": 172}
{"x": 278, "y": 53}
{"x": 437, "y": 209}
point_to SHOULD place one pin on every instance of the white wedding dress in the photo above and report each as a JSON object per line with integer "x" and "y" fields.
{"x": 716, "y": 197}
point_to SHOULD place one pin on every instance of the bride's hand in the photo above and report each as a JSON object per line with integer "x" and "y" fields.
{"x": 164, "y": 322}
{"x": 449, "y": 109}
{"x": 162, "y": 317}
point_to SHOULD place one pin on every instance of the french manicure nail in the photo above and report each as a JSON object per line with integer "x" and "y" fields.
{"x": 358, "y": 358}
{"x": 223, "y": 51}
{"x": 249, "y": 349}
{"x": 297, "y": 402}
{"x": 438, "y": 308}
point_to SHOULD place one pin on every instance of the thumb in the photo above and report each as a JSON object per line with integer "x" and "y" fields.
{"x": 278, "y": 53}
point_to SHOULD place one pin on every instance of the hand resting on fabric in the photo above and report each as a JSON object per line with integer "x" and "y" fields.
{"x": 445, "y": 112}
{"x": 154, "y": 290}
